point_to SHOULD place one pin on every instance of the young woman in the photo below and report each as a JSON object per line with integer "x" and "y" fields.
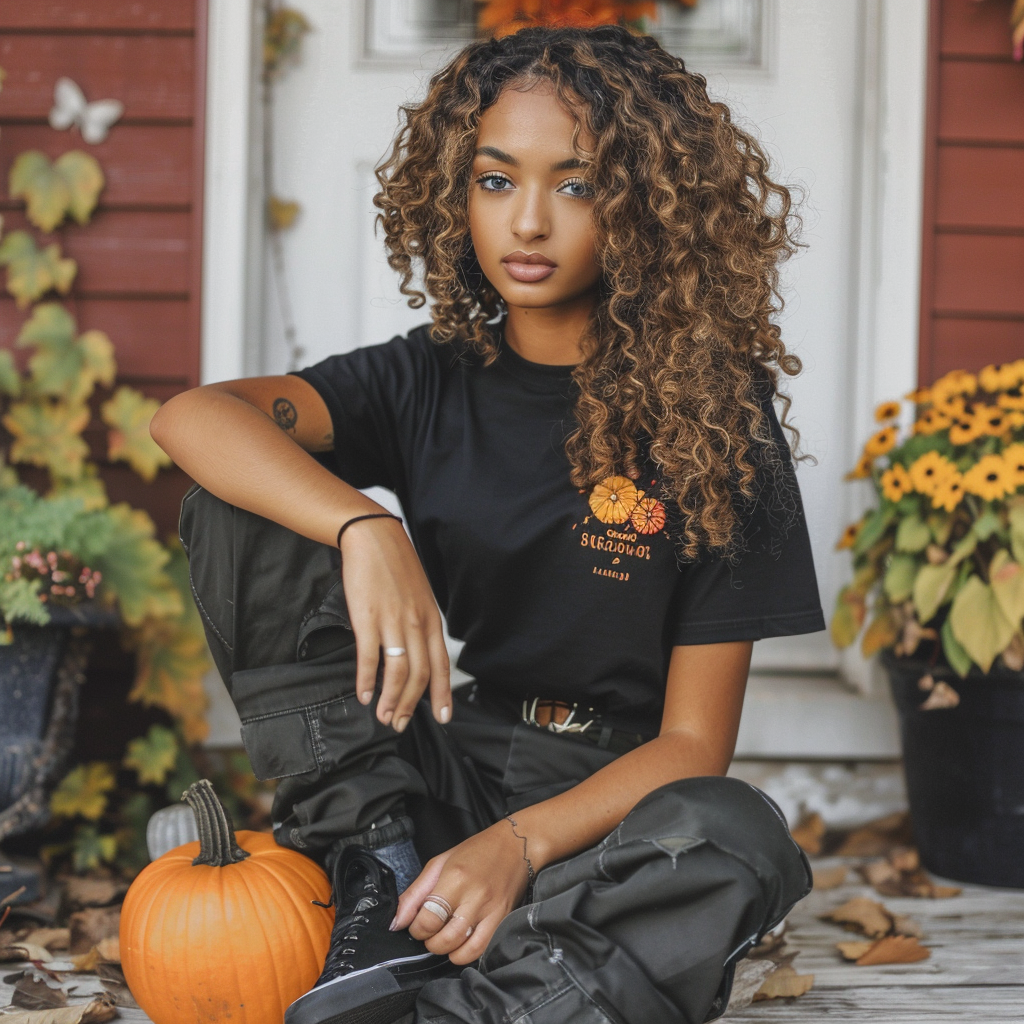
{"x": 601, "y": 499}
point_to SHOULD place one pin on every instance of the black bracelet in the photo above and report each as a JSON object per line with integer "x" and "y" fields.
{"x": 369, "y": 515}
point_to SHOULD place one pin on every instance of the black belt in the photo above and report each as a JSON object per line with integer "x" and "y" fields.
{"x": 580, "y": 721}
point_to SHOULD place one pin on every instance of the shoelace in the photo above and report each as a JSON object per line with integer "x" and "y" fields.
{"x": 337, "y": 956}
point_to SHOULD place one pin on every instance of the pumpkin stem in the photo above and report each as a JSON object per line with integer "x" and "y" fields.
{"x": 217, "y": 845}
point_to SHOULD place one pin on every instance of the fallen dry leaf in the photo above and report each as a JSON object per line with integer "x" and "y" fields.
{"x": 862, "y": 915}
{"x": 894, "y": 949}
{"x": 904, "y": 924}
{"x": 830, "y": 878}
{"x": 97, "y": 1011}
{"x": 809, "y": 832}
{"x": 905, "y": 858}
{"x": 916, "y": 884}
{"x": 876, "y": 838}
{"x": 112, "y": 978}
{"x": 18, "y": 952}
{"x": 92, "y": 892}
{"x": 941, "y": 695}
{"x": 31, "y": 994}
{"x": 854, "y": 950}
{"x": 90, "y": 927}
{"x": 784, "y": 983}
{"x": 750, "y": 975}
{"x": 878, "y": 872}
{"x": 109, "y": 949}
{"x": 50, "y": 938}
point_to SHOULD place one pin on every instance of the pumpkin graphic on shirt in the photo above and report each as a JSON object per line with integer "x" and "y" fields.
{"x": 648, "y": 516}
{"x": 613, "y": 499}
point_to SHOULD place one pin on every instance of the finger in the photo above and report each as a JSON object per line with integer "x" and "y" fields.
{"x": 367, "y": 659}
{"x": 417, "y": 679}
{"x": 473, "y": 948}
{"x": 454, "y": 934}
{"x": 396, "y": 669}
{"x": 440, "y": 677}
{"x": 411, "y": 900}
{"x": 426, "y": 923}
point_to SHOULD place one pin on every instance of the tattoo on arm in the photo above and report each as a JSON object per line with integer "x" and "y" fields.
{"x": 285, "y": 415}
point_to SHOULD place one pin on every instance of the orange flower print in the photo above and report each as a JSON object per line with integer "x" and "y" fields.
{"x": 613, "y": 499}
{"x": 648, "y": 516}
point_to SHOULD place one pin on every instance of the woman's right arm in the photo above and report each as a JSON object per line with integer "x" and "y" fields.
{"x": 247, "y": 442}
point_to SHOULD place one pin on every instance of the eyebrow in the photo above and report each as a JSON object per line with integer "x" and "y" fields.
{"x": 499, "y": 154}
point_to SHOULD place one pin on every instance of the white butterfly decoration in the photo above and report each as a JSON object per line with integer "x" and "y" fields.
{"x": 93, "y": 119}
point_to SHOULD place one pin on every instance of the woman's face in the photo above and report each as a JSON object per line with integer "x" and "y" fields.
{"x": 529, "y": 200}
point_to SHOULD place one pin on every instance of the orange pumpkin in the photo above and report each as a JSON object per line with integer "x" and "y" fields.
{"x": 648, "y": 516}
{"x": 224, "y": 929}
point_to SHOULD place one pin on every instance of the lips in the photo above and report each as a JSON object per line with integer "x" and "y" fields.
{"x": 524, "y": 266}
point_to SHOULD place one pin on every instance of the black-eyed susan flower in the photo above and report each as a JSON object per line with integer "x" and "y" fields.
{"x": 1013, "y": 456}
{"x": 931, "y": 421}
{"x": 865, "y": 464}
{"x": 896, "y": 483}
{"x": 881, "y": 442}
{"x": 949, "y": 492}
{"x": 849, "y": 537}
{"x": 887, "y": 411}
{"x": 956, "y": 382}
{"x": 929, "y": 470}
{"x": 990, "y": 479}
{"x": 919, "y": 396}
{"x": 991, "y": 421}
{"x": 965, "y": 428}
{"x": 1011, "y": 398}
{"x": 997, "y": 377}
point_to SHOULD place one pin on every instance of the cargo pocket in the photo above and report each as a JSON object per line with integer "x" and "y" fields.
{"x": 282, "y": 708}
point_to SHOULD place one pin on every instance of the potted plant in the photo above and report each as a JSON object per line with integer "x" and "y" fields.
{"x": 939, "y": 561}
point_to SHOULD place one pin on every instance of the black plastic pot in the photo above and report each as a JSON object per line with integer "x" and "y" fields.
{"x": 964, "y": 768}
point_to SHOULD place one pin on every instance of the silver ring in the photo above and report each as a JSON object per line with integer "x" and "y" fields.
{"x": 439, "y": 907}
{"x": 394, "y": 652}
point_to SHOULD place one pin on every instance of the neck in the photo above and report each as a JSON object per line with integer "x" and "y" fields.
{"x": 549, "y": 335}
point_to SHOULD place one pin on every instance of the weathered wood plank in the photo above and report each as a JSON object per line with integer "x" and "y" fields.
{"x": 975, "y": 29}
{"x": 130, "y": 15}
{"x": 979, "y": 273}
{"x": 980, "y": 100}
{"x": 979, "y": 187}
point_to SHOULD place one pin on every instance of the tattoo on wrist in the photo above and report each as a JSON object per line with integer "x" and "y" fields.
{"x": 530, "y": 873}
{"x": 285, "y": 414}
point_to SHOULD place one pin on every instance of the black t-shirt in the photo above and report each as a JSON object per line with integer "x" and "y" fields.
{"x": 557, "y": 592}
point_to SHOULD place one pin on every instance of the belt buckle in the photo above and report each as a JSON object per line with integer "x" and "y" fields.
{"x": 568, "y": 724}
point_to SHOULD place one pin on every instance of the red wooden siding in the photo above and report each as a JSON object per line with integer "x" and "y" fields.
{"x": 139, "y": 258}
{"x": 972, "y": 294}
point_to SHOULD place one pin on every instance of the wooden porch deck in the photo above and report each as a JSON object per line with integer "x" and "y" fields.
{"x": 975, "y": 972}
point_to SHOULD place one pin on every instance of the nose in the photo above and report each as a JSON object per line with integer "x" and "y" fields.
{"x": 531, "y": 218}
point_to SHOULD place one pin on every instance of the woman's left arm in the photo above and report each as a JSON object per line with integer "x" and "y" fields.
{"x": 485, "y": 877}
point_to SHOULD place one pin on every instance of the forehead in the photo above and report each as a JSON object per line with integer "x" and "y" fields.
{"x": 530, "y": 117}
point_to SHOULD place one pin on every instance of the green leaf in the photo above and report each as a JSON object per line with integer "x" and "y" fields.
{"x": 19, "y": 601}
{"x": 32, "y": 272}
{"x": 71, "y": 184}
{"x": 128, "y": 415}
{"x": 1017, "y": 531}
{"x": 958, "y": 658}
{"x": 49, "y": 434}
{"x": 83, "y": 791}
{"x": 133, "y": 568}
{"x": 1007, "y": 579}
{"x": 90, "y": 848}
{"x": 45, "y": 190}
{"x": 10, "y": 379}
{"x": 931, "y": 589}
{"x": 941, "y": 525}
{"x": 152, "y": 756}
{"x": 89, "y": 489}
{"x": 979, "y": 624}
{"x": 986, "y": 524}
{"x": 913, "y": 534}
{"x": 873, "y": 529}
{"x": 900, "y": 576}
{"x": 964, "y": 548}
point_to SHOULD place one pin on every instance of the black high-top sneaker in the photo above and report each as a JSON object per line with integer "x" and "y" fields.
{"x": 371, "y": 975}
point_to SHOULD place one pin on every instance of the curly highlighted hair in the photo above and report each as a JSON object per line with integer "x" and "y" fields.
{"x": 680, "y": 351}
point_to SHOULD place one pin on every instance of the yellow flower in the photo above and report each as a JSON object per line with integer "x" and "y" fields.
{"x": 849, "y": 537}
{"x": 887, "y": 411}
{"x": 931, "y": 421}
{"x": 865, "y": 464}
{"x": 1011, "y": 398}
{"x": 998, "y": 377}
{"x": 919, "y": 396}
{"x": 949, "y": 493}
{"x": 990, "y": 479}
{"x": 1015, "y": 418}
{"x": 928, "y": 471}
{"x": 956, "y": 382}
{"x": 613, "y": 499}
{"x": 1013, "y": 456}
{"x": 896, "y": 483}
{"x": 966, "y": 428}
{"x": 991, "y": 421}
{"x": 881, "y": 442}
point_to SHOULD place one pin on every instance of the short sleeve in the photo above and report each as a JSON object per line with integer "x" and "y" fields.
{"x": 377, "y": 397}
{"x": 769, "y": 588}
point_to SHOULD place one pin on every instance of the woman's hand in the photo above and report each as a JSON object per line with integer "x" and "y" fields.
{"x": 483, "y": 878}
{"x": 390, "y": 604}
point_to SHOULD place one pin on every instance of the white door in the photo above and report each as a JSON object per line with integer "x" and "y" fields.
{"x": 810, "y": 78}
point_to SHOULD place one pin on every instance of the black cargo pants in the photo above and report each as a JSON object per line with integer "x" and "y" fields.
{"x": 644, "y": 928}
